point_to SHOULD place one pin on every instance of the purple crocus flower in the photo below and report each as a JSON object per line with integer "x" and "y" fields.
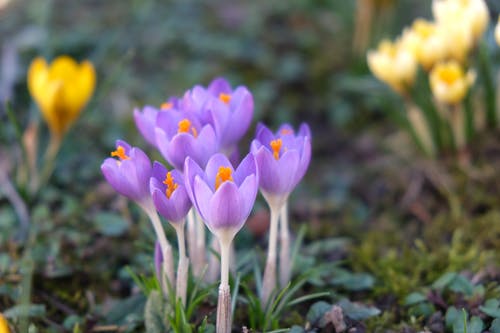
{"x": 145, "y": 119}
{"x": 180, "y": 134}
{"x": 169, "y": 194}
{"x": 282, "y": 158}
{"x": 223, "y": 196}
{"x": 229, "y": 111}
{"x": 129, "y": 172}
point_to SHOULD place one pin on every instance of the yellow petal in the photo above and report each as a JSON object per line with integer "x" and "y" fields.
{"x": 81, "y": 89}
{"x": 4, "y": 327}
{"x": 37, "y": 79}
{"x": 63, "y": 68}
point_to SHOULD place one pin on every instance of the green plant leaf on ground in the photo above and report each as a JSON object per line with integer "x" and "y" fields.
{"x": 154, "y": 313}
{"x": 491, "y": 307}
{"x": 30, "y": 310}
{"x": 316, "y": 313}
{"x": 357, "y": 311}
{"x": 495, "y": 326}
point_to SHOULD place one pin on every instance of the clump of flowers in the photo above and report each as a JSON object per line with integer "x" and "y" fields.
{"x": 208, "y": 184}
{"x": 444, "y": 51}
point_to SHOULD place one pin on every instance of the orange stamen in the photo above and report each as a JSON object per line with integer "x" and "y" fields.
{"x": 223, "y": 175}
{"x": 286, "y": 131}
{"x": 120, "y": 153}
{"x": 276, "y": 147}
{"x": 171, "y": 185}
{"x": 166, "y": 105}
{"x": 185, "y": 126}
{"x": 226, "y": 98}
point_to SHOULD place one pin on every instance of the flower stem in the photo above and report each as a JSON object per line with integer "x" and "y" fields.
{"x": 285, "y": 262}
{"x": 269, "y": 279}
{"x": 224, "y": 303}
{"x": 166, "y": 249}
{"x": 191, "y": 243}
{"x": 200, "y": 241}
{"x": 182, "y": 265}
{"x": 49, "y": 162}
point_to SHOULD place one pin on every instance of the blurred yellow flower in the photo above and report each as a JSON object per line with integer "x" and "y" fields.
{"x": 61, "y": 90}
{"x": 393, "y": 64}
{"x": 497, "y": 31}
{"x": 4, "y": 326}
{"x": 427, "y": 41}
{"x": 472, "y": 14}
{"x": 449, "y": 83}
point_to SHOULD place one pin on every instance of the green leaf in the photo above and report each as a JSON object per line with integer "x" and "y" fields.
{"x": 444, "y": 280}
{"x": 358, "y": 311}
{"x": 476, "y": 325}
{"x": 30, "y": 310}
{"x": 154, "y": 313}
{"x": 451, "y": 316}
{"x": 495, "y": 326}
{"x": 297, "y": 329}
{"x": 110, "y": 224}
{"x": 354, "y": 281}
{"x": 460, "y": 284}
{"x": 317, "y": 312}
{"x": 491, "y": 308}
{"x": 415, "y": 298}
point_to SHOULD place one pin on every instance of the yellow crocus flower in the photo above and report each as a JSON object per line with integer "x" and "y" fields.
{"x": 472, "y": 14}
{"x": 393, "y": 64}
{"x": 61, "y": 90}
{"x": 427, "y": 41}
{"x": 449, "y": 83}
{"x": 4, "y": 326}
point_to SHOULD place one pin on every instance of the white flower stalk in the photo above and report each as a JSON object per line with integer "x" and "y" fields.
{"x": 285, "y": 260}
{"x": 166, "y": 249}
{"x": 182, "y": 265}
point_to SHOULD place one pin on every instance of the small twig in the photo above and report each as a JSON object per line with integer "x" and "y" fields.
{"x": 109, "y": 328}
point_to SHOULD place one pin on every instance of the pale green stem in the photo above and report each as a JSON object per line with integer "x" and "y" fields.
{"x": 269, "y": 279}
{"x": 49, "y": 160}
{"x": 458, "y": 126}
{"x": 224, "y": 315}
{"x": 191, "y": 243}
{"x": 166, "y": 249}
{"x": 200, "y": 241}
{"x": 182, "y": 265}
{"x": 285, "y": 262}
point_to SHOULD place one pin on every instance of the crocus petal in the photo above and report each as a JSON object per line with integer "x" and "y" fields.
{"x": 191, "y": 170}
{"x": 219, "y": 85}
{"x": 248, "y": 191}
{"x": 247, "y": 166}
{"x": 242, "y": 106}
{"x": 213, "y": 165}
{"x": 145, "y": 122}
{"x": 202, "y": 194}
{"x": 226, "y": 208}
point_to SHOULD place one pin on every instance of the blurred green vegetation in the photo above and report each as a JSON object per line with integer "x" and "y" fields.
{"x": 404, "y": 221}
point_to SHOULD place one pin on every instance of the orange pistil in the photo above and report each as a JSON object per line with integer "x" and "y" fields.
{"x": 171, "y": 185}
{"x": 224, "y": 174}
{"x": 120, "y": 153}
{"x": 185, "y": 126}
{"x": 276, "y": 147}
{"x": 226, "y": 98}
{"x": 166, "y": 106}
{"x": 286, "y": 131}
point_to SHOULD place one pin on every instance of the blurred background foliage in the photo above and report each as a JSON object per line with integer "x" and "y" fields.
{"x": 304, "y": 61}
